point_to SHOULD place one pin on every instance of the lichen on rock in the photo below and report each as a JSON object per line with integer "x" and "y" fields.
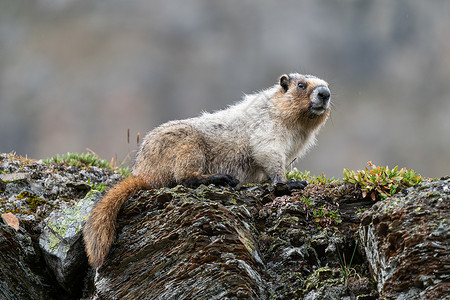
{"x": 62, "y": 245}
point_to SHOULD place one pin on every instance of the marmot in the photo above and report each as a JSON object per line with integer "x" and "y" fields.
{"x": 248, "y": 142}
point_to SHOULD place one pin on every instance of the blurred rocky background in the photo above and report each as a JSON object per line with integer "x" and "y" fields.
{"x": 77, "y": 74}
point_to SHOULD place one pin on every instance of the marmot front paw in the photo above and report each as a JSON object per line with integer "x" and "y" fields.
{"x": 286, "y": 188}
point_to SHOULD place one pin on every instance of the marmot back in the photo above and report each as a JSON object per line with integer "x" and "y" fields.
{"x": 251, "y": 141}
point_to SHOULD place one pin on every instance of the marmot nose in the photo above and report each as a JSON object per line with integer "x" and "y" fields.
{"x": 323, "y": 93}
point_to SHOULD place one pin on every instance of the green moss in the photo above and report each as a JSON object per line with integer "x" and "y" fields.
{"x": 284, "y": 223}
{"x": 320, "y": 277}
{"x": 277, "y": 242}
{"x": 433, "y": 194}
{"x": 32, "y": 200}
{"x": 320, "y": 236}
{"x": 86, "y": 160}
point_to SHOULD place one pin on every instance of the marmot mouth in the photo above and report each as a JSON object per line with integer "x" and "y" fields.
{"x": 318, "y": 110}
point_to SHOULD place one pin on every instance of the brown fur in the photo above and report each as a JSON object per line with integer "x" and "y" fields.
{"x": 295, "y": 112}
{"x": 174, "y": 155}
{"x": 102, "y": 219}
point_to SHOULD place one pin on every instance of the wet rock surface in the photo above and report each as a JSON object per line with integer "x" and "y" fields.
{"x": 198, "y": 248}
{"x": 219, "y": 243}
{"x": 406, "y": 240}
{"x": 21, "y": 276}
{"x": 323, "y": 242}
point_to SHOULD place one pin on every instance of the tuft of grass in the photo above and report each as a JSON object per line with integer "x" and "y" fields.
{"x": 346, "y": 269}
{"x": 375, "y": 180}
{"x": 85, "y": 160}
{"x": 78, "y": 160}
{"x": 306, "y": 175}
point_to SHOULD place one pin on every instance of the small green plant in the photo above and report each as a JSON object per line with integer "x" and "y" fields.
{"x": 324, "y": 217}
{"x": 381, "y": 180}
{"x": 98, "y": 187}
{"x": 306, "y": 201}
{"x": 124, "y": 171}
{"x": 85, "y": 160}
{"x": 346, "y": 269}
{"x": 306, "y": 175}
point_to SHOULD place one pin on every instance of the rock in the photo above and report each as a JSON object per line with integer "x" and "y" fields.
{"x": 14, "y": 176}
{"x": 406, "y": 241}
{"x": 323, "y": 242}
{"x": 61, "y": 243}
{"x": 11, "y": 220}
{"x": 215, "y": 243}
{"x": 19, "y": 267}
{"x": 31, "y": 191}
{"x": 2, "y": 186}
{"x": 175, "y": 244}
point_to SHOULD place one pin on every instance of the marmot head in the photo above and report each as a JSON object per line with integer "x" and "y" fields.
{"x": 303, "y": 98}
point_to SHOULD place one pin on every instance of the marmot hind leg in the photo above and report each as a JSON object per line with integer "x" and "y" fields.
{"x": 190, "y": 167}
{"x": 206, "y": 179}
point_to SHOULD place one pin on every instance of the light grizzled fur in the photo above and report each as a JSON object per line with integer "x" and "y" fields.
{"x": 252, "y": 140}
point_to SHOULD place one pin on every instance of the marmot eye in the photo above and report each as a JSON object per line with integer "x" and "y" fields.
{"x": 302, "y": 86}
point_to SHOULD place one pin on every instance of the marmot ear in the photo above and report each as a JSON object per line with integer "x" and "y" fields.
{"x": 284, "y": 82}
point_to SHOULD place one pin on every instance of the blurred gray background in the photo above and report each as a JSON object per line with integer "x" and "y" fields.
{"x": 77, "y": 74}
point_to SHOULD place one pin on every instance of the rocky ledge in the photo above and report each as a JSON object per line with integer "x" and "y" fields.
{"x": 324, "y": 242}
